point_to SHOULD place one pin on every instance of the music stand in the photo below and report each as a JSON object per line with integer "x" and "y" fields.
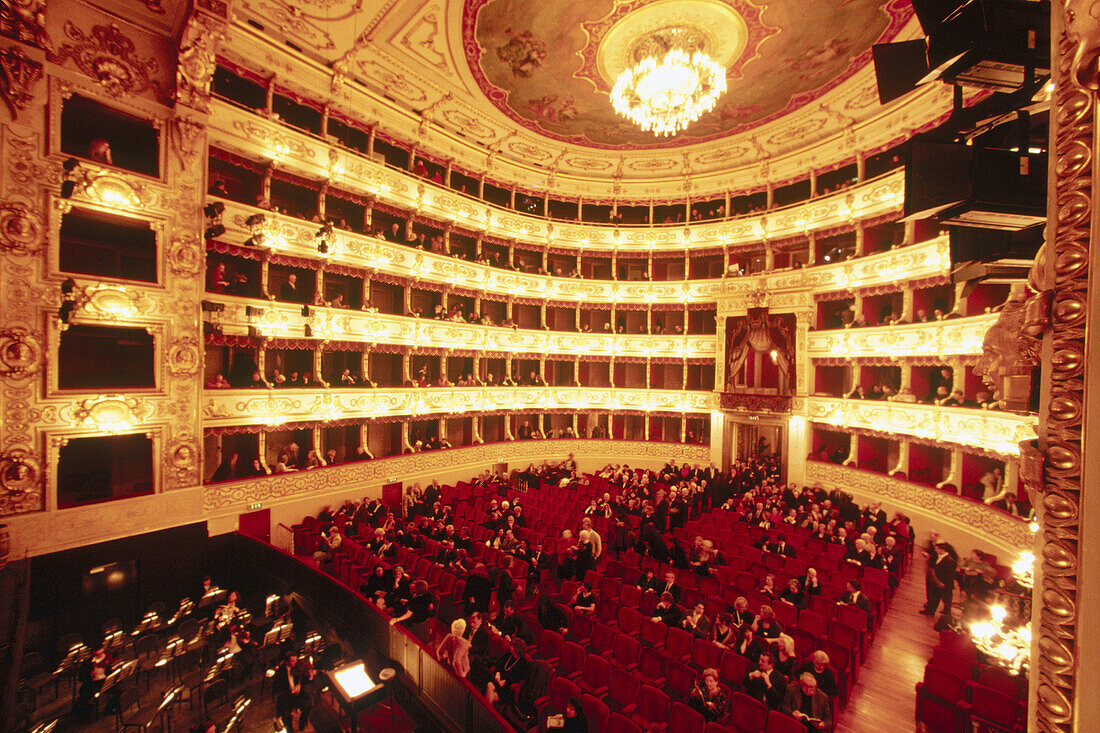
{"x": 355, "y": 690}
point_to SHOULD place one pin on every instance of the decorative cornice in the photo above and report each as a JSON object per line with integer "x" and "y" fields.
{"x": 972, "y": 516}
{"x": 990, "y": 430}
{"x": 218, "y": 498}
{"x": 225, "y": 408}
{"x": 942, "y": 339}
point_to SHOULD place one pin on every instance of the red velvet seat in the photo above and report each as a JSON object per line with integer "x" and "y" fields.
{"x": 652, "y": 710}
{"x": 596, "y": 678}
{"x": 571, "y": 664}
{"x": 679, "y": 679}
{"x": 782, "y": 723}
{"x": 733, "y": 668}
{"x": 626, "y": 652}
{"x": 654, "y": 632}
{"x": 630, "y": 621}
{"x": 623, "y": 690}
{"x": 596, "y": 712}
{"x": 678, "y": 644}
{"x": 651, "y": 666}
{"x": 686, "y": 720}
{"x": 747, "y": 714}
{"x": 618, "y": 723}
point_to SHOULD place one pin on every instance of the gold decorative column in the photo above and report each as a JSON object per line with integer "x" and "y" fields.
{"x": 1066, "y": 618}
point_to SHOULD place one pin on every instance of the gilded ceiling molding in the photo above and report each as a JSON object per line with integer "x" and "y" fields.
{"x": 991, "y": 430}
{"x": 345, "y": 477}
{"x": 1070, "y": 234}
{"x": 974, "y": 515}
{"x": 24, "y": 20}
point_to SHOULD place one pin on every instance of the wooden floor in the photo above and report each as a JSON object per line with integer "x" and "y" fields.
{"x": 883, "y": 700}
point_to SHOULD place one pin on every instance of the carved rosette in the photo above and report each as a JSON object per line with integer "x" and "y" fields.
{"x": 184, "y": 357}
{"x": 20, "y": 352}
{"x": 20, "y": 229}
{"x": 110, "y": 57}
{"x": 20, "y": 482}
{"x": 185, "y": 257}
{"x": 181, "y": 462}
{"x": 1074, "y": 138}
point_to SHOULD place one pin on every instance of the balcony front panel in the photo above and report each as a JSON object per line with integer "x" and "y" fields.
{"x": 942, "y": 339}
{"x": 280, "y": 320}
{"x": 990, "y": 430}
{"x": 973, "y": 519}
{"x": 233, "y": 407}
{"x": 930, "y": 259}
{"x": 299, "y": 238}
{"x": 253, "y": 135}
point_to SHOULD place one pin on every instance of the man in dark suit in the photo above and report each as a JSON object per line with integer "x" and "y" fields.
{"x": 853, "y": 596}
{"x": 808, "y": 704}
{"x": 669, "y": 586}
{"x": 780, "y": 546}
{"x": 941, "y": 579}
{"x": 288, "y": 291}
{"x": 667, "y": 611}
{"x": 540, "y": 560}
{"x": 766, "y": 683}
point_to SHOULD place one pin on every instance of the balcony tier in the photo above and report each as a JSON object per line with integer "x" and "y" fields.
{"x": 991, "y": 430}
{"x": 250, "y": 134}
{"x": 234, "y": 407}
{"x": 940, "y": 339}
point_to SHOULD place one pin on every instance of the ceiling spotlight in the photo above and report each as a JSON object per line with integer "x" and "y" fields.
{"x": 256, "y": 240}
{"x": 70, "y": 165}
{"x": 214, "y": 209}
{"x": 214, "y": 231}
{"x": 67, "y": 286}
{"x": 256, "y": 220}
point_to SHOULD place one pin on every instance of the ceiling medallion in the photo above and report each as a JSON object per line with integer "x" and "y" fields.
{"x": 672, "y": 83}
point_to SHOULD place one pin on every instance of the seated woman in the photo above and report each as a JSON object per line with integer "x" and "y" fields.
{"x": 377, "y": 585}
{"x": 708, "y": 697}
{"x": 740, "y": 615}
{"x": 398, "y": 592}
{"x": 749, "y": 646}
{"x": 724, "y": 633}
{"x": 794, "y": 594}
{"x": 766, "y": 627}
{"x": 509, "y": 674}
{"x": 785, "y": 657}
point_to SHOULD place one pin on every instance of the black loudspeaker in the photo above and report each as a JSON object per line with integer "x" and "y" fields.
{"x": 209, "y": 306}
{"x": 937, "y": 175}
{"x": 899, "y": 67}
{"x": 307, "y": 311}
{"x": 971, "y": 244}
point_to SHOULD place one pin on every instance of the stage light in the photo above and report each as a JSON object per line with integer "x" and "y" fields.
{"x": 68, "y": 188}
{"x": 70, "y": 165}
{"x": 213, "y": 210}
{"x": 256, "y": 220}
{"x": 214, "y": 231}
{"x": 67, "y": 286}
{"x": 66, "y": 311}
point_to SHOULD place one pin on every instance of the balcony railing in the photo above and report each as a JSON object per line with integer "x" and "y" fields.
{"x": 942, "y": 339}
{"x": 251, "y": 134}
{"x": 930, "y": 259}
{"x": 233, "y": 407}
{"x": 998, "y": 432}
{"x": 282, "y": 320}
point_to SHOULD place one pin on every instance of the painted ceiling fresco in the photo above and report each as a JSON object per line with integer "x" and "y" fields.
{"x": 536, "y": 62}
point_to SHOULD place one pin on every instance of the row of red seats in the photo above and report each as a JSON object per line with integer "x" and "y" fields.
{"x": 959, "y": 693}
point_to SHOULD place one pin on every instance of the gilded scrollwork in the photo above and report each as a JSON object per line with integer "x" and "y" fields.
{"x": 20, "y": 352}
{"x": 110, "y": 57}
{"x": 195, "y": 67}
{"x": 24, "y": 20}
{"x": 18, "y": 75}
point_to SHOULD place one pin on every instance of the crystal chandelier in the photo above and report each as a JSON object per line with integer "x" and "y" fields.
{"x": 1004, "y": 644}
{"x": 672, "y": 83}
